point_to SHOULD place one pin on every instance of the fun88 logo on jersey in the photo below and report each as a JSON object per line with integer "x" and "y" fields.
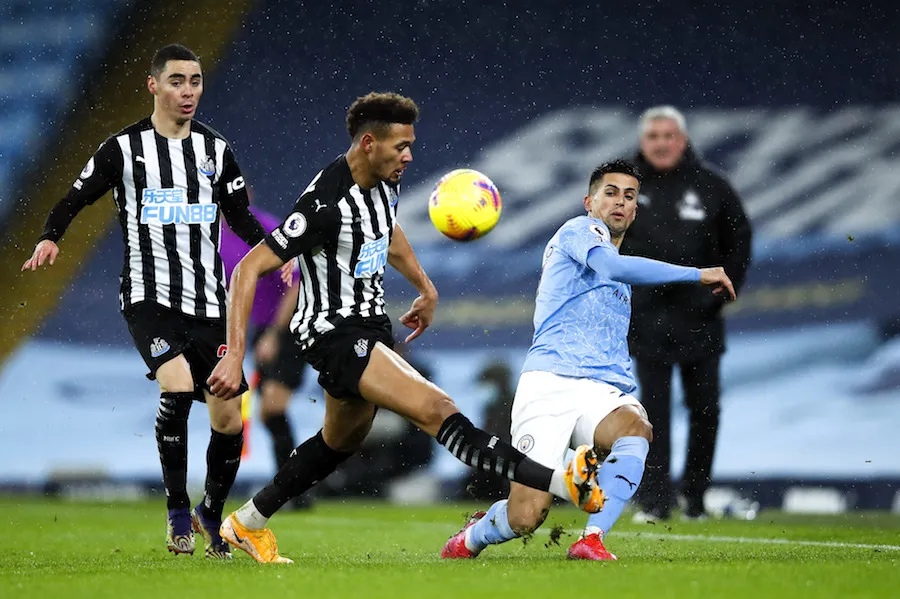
{"x": 372, "y": 258}
{"x": 168, "y": 206}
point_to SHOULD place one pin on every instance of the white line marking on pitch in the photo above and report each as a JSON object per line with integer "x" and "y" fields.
{"x": 757, "y": 540}
{"x": 634, "y": 534}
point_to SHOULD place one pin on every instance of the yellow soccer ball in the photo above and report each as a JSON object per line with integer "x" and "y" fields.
{"x": 464, "y": 205}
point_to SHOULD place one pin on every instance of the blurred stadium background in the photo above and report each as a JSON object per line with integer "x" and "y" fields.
{"x": 796, "y": 102}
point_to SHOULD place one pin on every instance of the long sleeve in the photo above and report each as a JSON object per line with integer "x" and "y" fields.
{"x": 243, "y": 223}
{"x": 235, "y": 202}
{"x": 634, "y": 270}
{"x": 98, "y": 176}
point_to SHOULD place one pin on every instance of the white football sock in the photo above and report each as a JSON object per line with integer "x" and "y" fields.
{"x": 250, "y": 517}
{"x": 592, "y": 530}
{"x": 558, "y": 485}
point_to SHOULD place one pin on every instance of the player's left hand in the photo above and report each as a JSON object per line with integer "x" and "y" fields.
{"x": 420, "y": 315}
{"x": 287, "y": 272}
{"x": 226, "y": 377}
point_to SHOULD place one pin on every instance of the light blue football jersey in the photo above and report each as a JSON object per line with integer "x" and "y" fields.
{"x": 580, "y": 317}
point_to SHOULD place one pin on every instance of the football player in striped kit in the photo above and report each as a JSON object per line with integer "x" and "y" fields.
{"x": 173, "y": 179}
{"x": 344, "y": 231}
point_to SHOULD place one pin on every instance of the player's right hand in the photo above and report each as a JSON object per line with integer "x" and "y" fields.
{"x": 44, "y": 251}
{"x": 226, "y": 377}
{"x": 715, "y": 277}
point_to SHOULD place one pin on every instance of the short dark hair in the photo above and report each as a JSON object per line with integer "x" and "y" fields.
{"x": 378, "y": 111}
{"x": 613, "y": 166}
{"x": 170, "y": 52}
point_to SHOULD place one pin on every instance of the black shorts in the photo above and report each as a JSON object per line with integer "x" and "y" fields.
{"x": 161, "y": 334}
{"x": 288, "y": 366}
{"x": 342, "y": 355}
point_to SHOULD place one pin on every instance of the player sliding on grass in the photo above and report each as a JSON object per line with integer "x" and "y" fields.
{"x": 344, "y": 231}
{"x": 576, "y": 382}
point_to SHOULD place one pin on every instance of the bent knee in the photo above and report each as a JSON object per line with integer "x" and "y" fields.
{"x": 642, "y": 428}
{"x": 267, "y": 411}
{"x": 350, "y": 437}
{"x": 527, "y": 509}
{"x": 355, "y": 437}
{"x": 231, "y": 427}
{"x": 524, "y": 519}
{"x": 175, "y": 376}
{"x": 179, "y": 384}
{"x": 226, "y": 417}
{"x": 437, "y": 411}
{"x": 636, "y": 424}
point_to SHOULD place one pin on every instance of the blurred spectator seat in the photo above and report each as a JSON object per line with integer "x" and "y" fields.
{"x": 46, "y": 53}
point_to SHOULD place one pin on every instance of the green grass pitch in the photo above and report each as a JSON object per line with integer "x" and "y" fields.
{"x": 360, "y": 550}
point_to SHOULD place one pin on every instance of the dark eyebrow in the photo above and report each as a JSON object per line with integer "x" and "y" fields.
{"x": 614, "y": 186}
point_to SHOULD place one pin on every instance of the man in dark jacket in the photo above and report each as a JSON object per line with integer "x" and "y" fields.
{"x": 688, "y": 214}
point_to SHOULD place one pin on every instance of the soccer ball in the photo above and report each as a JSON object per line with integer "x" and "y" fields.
{"x": 464, "y": 205}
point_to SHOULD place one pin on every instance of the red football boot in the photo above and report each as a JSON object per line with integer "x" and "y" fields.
{"x": 455, "y": 548}
{"x": 590, "y": 548}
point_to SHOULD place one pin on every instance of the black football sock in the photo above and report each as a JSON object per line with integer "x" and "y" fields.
{"x": 478, "y": 449}
{"x": 311, "y": 462}
{"x": 171, "y": 440}
{"x": 223, "y": 458}
{"x": 282, "y": 437}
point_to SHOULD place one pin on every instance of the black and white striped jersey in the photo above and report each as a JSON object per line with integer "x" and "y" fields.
{"x": 341, "y": 234}
{"x": 169, "y": 193}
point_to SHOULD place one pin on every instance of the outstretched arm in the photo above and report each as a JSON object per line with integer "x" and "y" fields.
{"x": 226, "y": 377}
{"x": 635, "y": 270}
{"x": 402, "y": 257}
{"x": 59, "y": 219}
{"x": 95, "y": 180}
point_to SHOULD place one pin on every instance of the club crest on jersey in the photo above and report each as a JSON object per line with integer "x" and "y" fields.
{"x": 361, "y": 348}
{"x": 207, "y": 166}
{"x": 690, "y": 207}
{"x": 158, "y": 347}
{"x": 526, "y": 443}
{"x": 169, "y": 206}
{"x": 372, "y": 258}
{"x": 600, "y": 232}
